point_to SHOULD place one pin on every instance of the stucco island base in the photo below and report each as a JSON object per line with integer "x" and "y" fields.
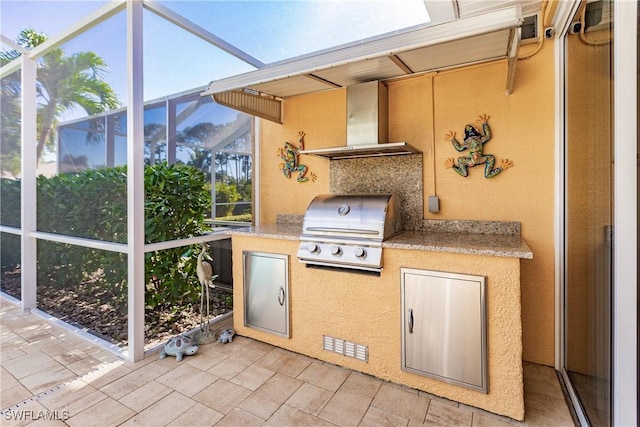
{"x": 366, "y": 310}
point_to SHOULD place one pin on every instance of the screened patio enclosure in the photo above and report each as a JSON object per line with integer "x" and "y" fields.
{"x": 88, "y": 212}
{"x": 189, "y": 130}
{"x": 116, "y": 169}
{"x": 96, "y": 227}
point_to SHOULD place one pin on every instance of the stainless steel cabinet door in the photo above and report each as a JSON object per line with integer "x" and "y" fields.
{"x": 444, "y": 327}
{"x": 266, "y": 292}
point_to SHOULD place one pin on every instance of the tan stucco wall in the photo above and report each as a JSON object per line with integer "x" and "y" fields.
{"x": 366, "y": 309}
{"x": 522, "y": 126}
{"x": 322, "y": 117}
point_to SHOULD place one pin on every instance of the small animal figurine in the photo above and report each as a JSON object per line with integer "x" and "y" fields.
{"x": 178, "y": 347}
{"x": 226, "y": 336}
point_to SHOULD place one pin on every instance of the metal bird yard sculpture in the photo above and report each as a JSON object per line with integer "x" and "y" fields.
{"x": 204, "y": 271}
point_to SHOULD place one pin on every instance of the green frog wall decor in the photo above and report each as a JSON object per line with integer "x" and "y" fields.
{"x": 290, "y": 155}
{"x": 474, "y": 141}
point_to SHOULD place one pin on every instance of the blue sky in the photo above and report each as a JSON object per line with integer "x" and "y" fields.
{"x": 16, "y": 15}
{"x": 176, "y": 61}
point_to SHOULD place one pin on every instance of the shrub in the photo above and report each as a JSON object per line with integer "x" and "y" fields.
{"x": 226, "y": 193}
{"x": 239, "y": 218}
{"x": 93, "y": 204}
{"x": 10, "y": 191}
{"x": 177, "y": 201}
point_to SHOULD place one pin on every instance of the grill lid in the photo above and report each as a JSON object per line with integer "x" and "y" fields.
{"x": 347, "y": 230}
{"x": 372, "y": 217}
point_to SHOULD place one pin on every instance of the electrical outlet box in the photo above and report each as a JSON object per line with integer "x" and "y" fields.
{"x": 434, "y": 204}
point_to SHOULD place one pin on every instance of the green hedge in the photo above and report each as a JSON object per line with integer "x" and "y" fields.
{"x": 9, "y": 216}
{"x": 93, "y": 204}
{"x": 237, "y": 218}
{"x": 176, "y": 204}
{"x": 10, "y": 202}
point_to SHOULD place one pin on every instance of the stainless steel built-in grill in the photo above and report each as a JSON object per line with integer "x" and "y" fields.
{"x": 347, "y": 230}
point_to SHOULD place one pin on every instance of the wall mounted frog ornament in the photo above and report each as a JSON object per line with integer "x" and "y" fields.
{"x": 290, "y": 154}
{"x": 474, "y": 142}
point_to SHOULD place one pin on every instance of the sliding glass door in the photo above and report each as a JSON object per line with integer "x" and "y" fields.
{"x": 588, "y": 211}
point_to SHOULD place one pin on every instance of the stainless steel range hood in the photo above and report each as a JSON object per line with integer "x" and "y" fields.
{"x": 367, "y": 126}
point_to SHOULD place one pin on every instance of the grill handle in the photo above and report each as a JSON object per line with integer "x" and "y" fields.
{"x": 343, "y": 230}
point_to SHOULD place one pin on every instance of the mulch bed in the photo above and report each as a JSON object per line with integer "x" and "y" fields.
{"x": 93, "y": 307}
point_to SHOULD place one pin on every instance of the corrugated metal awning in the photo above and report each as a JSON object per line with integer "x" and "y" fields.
{"x": 475, "y": 39}
{"x": 265, "y": 106}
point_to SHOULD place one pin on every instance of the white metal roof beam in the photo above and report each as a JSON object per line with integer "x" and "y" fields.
{"x": 237, "y": 132}
{"x": 196, "y": 30}
{"x": 462, "y": 28}
{"x": 102, "y": 14}
{"x": 325, "y": 81}
{"x": 400, "y": 64}
{"x": 441, "y": 10}
{"x": 512, "y": 60}
{"x": 13, "y": 45}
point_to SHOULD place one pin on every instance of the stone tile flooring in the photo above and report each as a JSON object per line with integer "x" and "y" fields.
{"x": 52, "y": 377}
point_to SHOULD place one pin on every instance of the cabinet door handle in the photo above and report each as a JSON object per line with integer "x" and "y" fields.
{"x": 281, "y": 296}
{"x": 410, "y": 320}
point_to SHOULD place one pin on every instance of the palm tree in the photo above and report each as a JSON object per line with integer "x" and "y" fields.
{"x": 10, "y": 108}
{"x": 10, "y": 125}
{"x": 65, "y": 83}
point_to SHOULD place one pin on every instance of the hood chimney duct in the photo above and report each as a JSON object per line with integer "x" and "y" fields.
{"x": 367, "y": 114}
{"x": 367, "y": 126}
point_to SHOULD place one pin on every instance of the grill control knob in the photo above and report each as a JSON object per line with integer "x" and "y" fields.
{"x": 360, "y": 253}
{"x": 336, "y": 250}
{"x": 313, "y": 248}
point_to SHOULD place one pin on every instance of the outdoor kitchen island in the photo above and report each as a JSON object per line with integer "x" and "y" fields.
{"x": 364, "y": 310}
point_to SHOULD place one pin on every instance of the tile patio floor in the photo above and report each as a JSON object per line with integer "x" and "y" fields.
{"x": 52, "y": 377}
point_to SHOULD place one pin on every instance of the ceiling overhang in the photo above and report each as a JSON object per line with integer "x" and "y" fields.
{"x": 464, "y": 41}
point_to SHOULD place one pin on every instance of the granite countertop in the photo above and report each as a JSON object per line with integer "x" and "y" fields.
{"x": 501, "y": 245}
{"x": 279, "y": 231}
